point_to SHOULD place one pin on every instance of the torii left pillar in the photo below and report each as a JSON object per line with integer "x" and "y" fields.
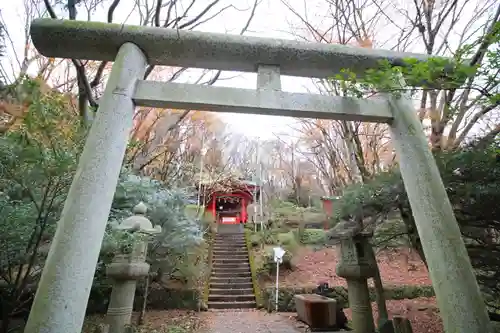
{"x": 64, "y": 288}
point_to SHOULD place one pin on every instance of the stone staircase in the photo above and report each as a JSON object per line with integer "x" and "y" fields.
{"x": 231, "y": 284}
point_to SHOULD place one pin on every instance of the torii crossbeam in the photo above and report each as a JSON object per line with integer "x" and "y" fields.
{"x": 64, "y": 288}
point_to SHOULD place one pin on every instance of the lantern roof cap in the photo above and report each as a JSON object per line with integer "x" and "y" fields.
{"x": 138, "y": 222}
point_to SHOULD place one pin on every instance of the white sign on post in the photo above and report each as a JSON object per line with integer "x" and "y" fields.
{"x": 278, "y": 255}
{"x": 278, "y": 259}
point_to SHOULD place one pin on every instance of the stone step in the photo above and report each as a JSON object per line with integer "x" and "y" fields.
{"x": 229, "y": 248}
{"x": 230, "y": 229}
{"x": 238, "y": 233}
{"x": 238, "y": 266}
{"x": 236, "y": 274}
{"x": 232, "y": 305}
{"x": 237, "y": 249}
{"x": 223, "y": 247}
{"x": 223, "y": 261}
{"x": 228, "y": 244}
{"x": 230, "y": 280}
{"x": 231, "y": 267}
{"x": 243, "y": 255}
{"x": 237, "y": 271}
{"x": 229, "y": 260}
{"x": 229, "y": 253}
{"x": 224, "y": 250}
{"x": 230, "y": 241}
{"x": 230, "y": 237}
{"x": 231, "y": 272}
{"x": 229, "y": 286}
{"x": 231, "y": 298}
{"x": 233, "y": 239}
{"x": 246, "y": 291}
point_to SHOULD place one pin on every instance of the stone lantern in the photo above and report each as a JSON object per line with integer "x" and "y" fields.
{"x": 356, "y": 266}
{"x": 127, "y": 268}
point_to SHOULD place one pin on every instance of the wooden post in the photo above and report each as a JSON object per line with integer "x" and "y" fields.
{"x": 243, "y": 204}
{"x": 214, "y": 207}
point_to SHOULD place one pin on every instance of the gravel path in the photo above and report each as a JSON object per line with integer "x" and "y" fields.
{"x": 249, "y": 321}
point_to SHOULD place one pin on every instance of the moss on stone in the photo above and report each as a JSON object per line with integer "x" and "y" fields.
{"x": 169, "y": 298}
{"x": 206, "y": 290}
{"x": 76, "y": 24}
{"x": 256, "y": 288}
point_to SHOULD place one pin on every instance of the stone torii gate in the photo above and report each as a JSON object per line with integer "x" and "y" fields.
{"x": 61, "y": 299}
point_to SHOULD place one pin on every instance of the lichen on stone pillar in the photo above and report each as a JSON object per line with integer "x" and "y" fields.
{"x": 356, "y": 266}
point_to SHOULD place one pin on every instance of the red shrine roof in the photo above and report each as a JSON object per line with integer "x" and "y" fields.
{"x": 229, "y": 185}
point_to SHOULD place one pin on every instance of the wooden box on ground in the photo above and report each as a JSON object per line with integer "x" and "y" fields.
{"x": 319, "y": 312}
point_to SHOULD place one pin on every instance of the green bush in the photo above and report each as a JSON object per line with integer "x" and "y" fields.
{"x": 267, "y": 236}
{"x": 286, "y": 239}
{"x": 170, "y": 253}
{"x": 313, "y": 237}
{"x": 254, "y": 270}
{"x": 37, "y": 162}
{"x": 255, "y": 240}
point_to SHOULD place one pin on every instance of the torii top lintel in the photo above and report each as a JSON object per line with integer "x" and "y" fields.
{"x": 195, "y": 49}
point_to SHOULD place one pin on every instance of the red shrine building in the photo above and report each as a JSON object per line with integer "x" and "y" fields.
{"x": 227, "y": 200}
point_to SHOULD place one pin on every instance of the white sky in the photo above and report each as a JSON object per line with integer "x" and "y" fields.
{"x": 265, "y": 23}
{"x": 272, "y": 19}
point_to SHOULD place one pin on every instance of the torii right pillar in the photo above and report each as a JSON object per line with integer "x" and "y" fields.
{"x": 460, "y": 302}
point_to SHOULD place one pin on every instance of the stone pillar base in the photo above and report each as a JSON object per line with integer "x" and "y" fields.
{"x": 359, "y": 302}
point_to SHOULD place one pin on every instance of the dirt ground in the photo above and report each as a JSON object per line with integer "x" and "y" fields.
{"x": 311, "y": 267}
{"x": 165, "y": 321}
{"x": 422, "y": 313}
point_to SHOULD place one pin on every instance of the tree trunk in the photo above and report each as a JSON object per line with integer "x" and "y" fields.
{"x": 142, "y": 314}
{"x": 411, "y": 229}
{"x": 83, "y": 103}
{"x": 4, "y": 328}
{"x": 383, "y": 315}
